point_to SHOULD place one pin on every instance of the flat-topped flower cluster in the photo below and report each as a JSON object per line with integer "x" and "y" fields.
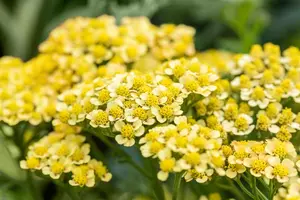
{"x": 64, "y": 151}
{"x": 83, "y": 49}
{"x": 102, "y": 40}
{"x": 214, "y": 116}
{"x": 193, "y": 121}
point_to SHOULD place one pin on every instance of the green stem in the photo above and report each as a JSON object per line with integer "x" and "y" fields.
{"x": 95, "y": 150}
{"x": 244, "y": 188}
{"x": 156, "y": 185}
{"x": 121, "y": 153}
{"x": 34, "y": 192}
{"x": 176, "y": 185}
{"x": 232, "y": 187}
{"x": 68, "y": 189}
{"x": 263, "y": 183}
{"x": 262, "y": 195}
{"x": 271, "y": 185}
{"x": 254, "y": 190}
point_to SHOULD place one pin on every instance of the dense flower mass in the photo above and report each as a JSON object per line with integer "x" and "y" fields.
{"x": 65, "y": 151}
{"x": 79, "y": 50}
{"x": 213, "y": 116}
{"x": 102, "y": 40}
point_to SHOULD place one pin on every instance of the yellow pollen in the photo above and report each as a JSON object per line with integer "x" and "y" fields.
{"x": 155, "y": 147}
{"x": 76, "y": 109}
{"x": 132, "y": 52}
{"x": 199, "y": 142}
{"x": 241, "y": 124}
{"x": 286, "y": 85}
{"x": 231, "y": 112}
{"x": 183, "y": 125}
{"x": 32, "y": 163}
{"x": 245, "y": 81}
{"x": 152, "y": 100}
{"x": 127, "y": 131}
{"x": 167, "y": 165}
{"x": 263, "y": 123}
{"x": 100, "y": 170}
{"x": 80, "y": 178}
{"x": 152, "y": 135}
{"x": 286, "y": 116}
{"x": 280, "y": 150}
{"x": 64, "y": 116}
{"x": 140, "y": 113}
{"x": 258, "y": 165}
{"x": 227, "y": 150}
{"x": 214, "y": 104}
{"x": 193, "y": 158}
{"x": 280, "y": 170}
{"x": 88, "y": 106}
{"x": 123, "y": 91}
{"x": 258, "y": 148}
{"x": 57, "y": 168}
{"x": 63, "y": 150}
{"x": 116, "y": 112}
{"x": 203, "y": 80}
{"x": 166, "y": 111}
{"x": 218, "y": 161}
{"x": 272, "y": 111}
{"x": 191, "y": 85}
{"x": 212, "y": 121}
{"x": 40, "y": 151}
{"x": 101, "y": 118}
{"x": 181, "y": 141}
{"x": 69, "y": 99}
{"x": 170, "y": 133}
{"x": 103, "y": 96}
{"x": 258, "y": 93}
{"x": 284, "y": 134}
{"x": 196, "y": 174}
{"x": 77, "y": 155}
{"x": 241, "y": 154}
{"x": 138, "y": 82}
{"x": 178, "y": 71}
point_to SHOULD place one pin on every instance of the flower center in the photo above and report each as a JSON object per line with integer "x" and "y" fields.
{"x": 116, "y": 112}
{"x": 152, "y": 100}
{"x": 241, "y": 124}
{"x": 123, "y": 91}
{"x": 127, "y": 131}
{"x": 57, "y": 168}
{"x": 167, "y": 165}
{"x": 280, "y": 170}
{"x": 140, "y": 113}
{"x": 258, "y": 165}
{"x": 33, "y": 163}
{"x": 101, "y": 118}
{"x": 193, "y": 158}
{"x": 166, "y": 111}
{"x": 103, "y": 96}
{"x": 258, "y": 93}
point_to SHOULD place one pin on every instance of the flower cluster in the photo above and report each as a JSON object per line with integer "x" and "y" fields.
{"x": 64, "y": 151}
{"x": 289, "y": 191}
{"x": 80, "y": 50}
{"x": 219, "y": 114}
{"x": 102, "y": 40}
{"x": 129, "y": 103}
{"x": 29, "y": 90}
{"x": 184, "y": 147}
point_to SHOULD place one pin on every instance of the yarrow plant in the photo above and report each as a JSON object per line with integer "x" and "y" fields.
{"x": 219, "y": 120}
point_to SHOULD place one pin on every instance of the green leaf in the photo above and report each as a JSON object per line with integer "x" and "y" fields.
{"x": 8, "y": 165}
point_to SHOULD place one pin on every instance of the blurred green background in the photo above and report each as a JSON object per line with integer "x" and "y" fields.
{"x": 227, "y": 24}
